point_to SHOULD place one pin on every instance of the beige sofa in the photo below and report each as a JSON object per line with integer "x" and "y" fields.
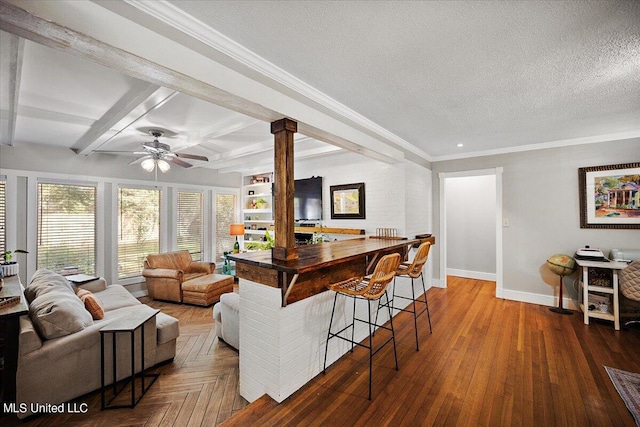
{"x": 175, "y": 277}
{"x": 59, "y": 344}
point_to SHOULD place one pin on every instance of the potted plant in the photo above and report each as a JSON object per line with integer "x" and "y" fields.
{"x": 10, "y": 267}
{"x": 261, "y": 203}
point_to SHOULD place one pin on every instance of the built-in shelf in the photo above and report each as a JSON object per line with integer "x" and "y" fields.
{"x": 263, "y": 217}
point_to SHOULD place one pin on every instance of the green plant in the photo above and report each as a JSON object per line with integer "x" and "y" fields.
{"x": 261, "y": 246}
{"x": 7, "y": 256}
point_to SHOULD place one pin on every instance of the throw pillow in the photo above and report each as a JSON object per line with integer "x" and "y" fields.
{"x": 44, "y": 281}
{"x": 58, "y": 313}
{"x": 91, "y": 303}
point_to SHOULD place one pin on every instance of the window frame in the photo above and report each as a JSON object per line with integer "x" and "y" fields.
{"x": 203, "y": 208}
{"x": 162, "y": 228}
{"x": 97, "y": 208}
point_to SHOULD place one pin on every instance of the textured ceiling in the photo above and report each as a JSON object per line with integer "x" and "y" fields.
{"x": 490, "y": 75}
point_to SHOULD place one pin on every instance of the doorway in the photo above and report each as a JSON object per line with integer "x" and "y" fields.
{"x": 463, "y": 203}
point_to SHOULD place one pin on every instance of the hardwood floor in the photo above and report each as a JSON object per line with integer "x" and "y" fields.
{"x": 488, "y": 362}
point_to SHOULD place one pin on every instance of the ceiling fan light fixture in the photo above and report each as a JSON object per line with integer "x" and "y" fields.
{"x": 163, "y": 165}
{"x": 148, "y": 165}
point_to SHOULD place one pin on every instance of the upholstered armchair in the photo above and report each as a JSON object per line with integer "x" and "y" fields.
{"x": 166, "y": 272}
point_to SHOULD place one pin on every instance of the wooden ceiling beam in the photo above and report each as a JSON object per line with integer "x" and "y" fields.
{"x": 134, "y": 105}
{"x": 12, "y": 48}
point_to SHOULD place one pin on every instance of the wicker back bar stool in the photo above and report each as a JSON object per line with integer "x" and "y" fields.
{"x": 414, "y": 270}
{"x": 371, "y": 288}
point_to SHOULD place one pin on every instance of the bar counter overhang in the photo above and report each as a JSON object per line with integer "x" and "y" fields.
{"x": 285, "y": 311}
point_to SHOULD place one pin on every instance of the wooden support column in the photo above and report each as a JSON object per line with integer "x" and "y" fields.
{"x": 285, "y": 243}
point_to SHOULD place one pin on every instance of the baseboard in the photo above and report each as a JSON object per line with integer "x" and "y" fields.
{"x": 438, "y": 283}
{"x": 478, "y": 275}
{"x": 548, "y": 300}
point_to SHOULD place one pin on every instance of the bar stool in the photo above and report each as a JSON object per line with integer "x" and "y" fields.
{"x": 414, "y": 270}
{"x": 370, "y": 289}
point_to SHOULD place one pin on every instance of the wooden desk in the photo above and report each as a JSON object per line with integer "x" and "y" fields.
{"x": 11, "y": 317}
{"x": 615, "y": 267}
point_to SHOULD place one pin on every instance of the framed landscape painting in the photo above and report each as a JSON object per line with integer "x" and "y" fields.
{"x": 610, "y": 196}
{"x": 347, "y": 201}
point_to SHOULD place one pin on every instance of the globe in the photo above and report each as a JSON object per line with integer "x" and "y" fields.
{"x": 561, "y": 264}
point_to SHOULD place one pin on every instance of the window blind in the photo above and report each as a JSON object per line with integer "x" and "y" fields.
{"x": 138, "y": 228}
{"x": 3, "y": 218}
{"x": 189, "y": 223}
{"x": 225, "y": 216}
{"x": 66, "y": 228}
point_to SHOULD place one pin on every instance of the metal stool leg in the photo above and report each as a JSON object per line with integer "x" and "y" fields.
{"x": 388, "y": 302}
{"x": 353, "y": 323}
{"x": 426, "y": 303}
{"x": 370, "y": 347}
{"x": 415, "y": 314}
{"x": 393, "y": 333}
{"x": 326, "y": 348}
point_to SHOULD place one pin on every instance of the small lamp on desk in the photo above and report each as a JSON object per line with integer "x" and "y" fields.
{"x": 236, "y": 230}
{"x": 562, "y": 265}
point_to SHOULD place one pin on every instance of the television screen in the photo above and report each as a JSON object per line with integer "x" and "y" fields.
{"x": 307, "y": 199}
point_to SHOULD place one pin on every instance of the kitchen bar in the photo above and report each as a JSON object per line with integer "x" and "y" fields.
{"x": 284, "y": 311}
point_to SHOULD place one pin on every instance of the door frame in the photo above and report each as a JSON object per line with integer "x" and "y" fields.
{"x": 443, "y": 176}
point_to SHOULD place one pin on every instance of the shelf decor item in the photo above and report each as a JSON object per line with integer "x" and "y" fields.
{"x": 10, "y": 267}
{"x": 236, "y": 230}
{"x": 562, "y": 265}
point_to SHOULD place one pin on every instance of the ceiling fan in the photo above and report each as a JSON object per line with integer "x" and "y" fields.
{"x": 158, "y": 154}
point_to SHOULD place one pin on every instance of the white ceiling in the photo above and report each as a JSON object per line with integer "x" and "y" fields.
{"x": 493, "y": 76}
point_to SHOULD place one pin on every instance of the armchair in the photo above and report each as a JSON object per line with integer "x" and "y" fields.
{"x": 166, "y": 273}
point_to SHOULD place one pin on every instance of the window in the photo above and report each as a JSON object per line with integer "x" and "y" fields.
{"x": 189, "y": 223}
{"x": 138, "y": 229}
{"x": 3, "y": 217}
{"x": 225, "y": 216}
{"x": 67, "y": 227}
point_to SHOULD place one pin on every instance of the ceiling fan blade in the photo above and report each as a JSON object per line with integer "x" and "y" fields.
{"x": 126, "y": 153}
{"x": 179, "y": 162}
{"x": 151, "y": 148}
{"x": 191, "y": 156}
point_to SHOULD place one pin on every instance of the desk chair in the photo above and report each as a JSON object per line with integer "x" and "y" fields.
{"x": 370, "y": 289}
{"x": 630, "y": 290}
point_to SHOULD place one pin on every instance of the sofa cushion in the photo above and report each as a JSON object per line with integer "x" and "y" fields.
{"x": 168, "y": 328}
{"x": 115, "y": 297}
{"x": 91, "y": 303}
{"x": 44, "y": 281}
{"x": 179, "y": 260}
{"x": 58, "y": 313}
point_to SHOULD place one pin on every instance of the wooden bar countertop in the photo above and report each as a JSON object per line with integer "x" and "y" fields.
{"x": 313, "y": 257}
{"x": 318, "y": 265}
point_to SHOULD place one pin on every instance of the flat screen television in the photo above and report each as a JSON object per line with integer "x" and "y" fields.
{"x": 307, "y": 199}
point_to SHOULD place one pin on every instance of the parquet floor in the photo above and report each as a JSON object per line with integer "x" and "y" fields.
{"x": 489, "y": 362}
{"x": 199, "y": 388}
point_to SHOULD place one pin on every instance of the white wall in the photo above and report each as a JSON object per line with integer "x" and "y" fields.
{"x": 540, "y": 199}
{"x": 384, "y": 189}
{"x": 471, "y": 226}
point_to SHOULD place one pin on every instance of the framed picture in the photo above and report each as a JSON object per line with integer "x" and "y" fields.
{"x": 347, "y": 201}
{"x": 610, "y": 196}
